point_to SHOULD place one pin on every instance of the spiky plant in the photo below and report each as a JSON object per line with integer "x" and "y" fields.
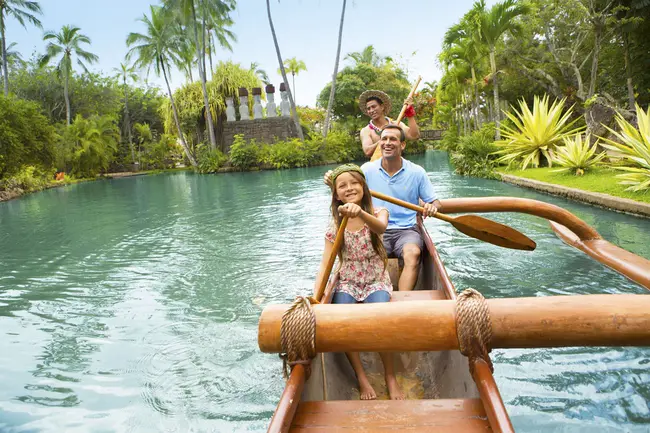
{"x": 536, "y": 132}
{"x": 577, "y": 155}
{"x": 634, "y": 146}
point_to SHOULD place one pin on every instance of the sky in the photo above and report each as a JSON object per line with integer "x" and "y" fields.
{"x": 410, "y": 32}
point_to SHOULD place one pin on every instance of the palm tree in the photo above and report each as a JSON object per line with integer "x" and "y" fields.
{"x": 13, "y": 57}
{"x": 261, "y": 73}
{"x": 330, "y": 103}
{"x": 127, "y": 73}
{"x": 155, "y": 48}
{"x": 294, "y": 66}
{"x": 493, "y": 24}
{"x": 294, "y": 113}
{"x": 217, "y": 22}
{"x": 68, "y": 43}
{"x": 215, "y": 11}
{"x": 15, "y": 8}
{"x": 368, "y": 55}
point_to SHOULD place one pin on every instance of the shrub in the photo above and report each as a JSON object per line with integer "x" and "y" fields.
{"x": 244, "y": 154}
{"x": 450, "y": 139}
{"x": 341, "y": 146}
{"x": 635, "y": 148}
{"x": 293, "y": 153}
{"x": 535, "y": 133}
{"x": 474, "y": 154}
{"x": 28, "y": 178}
{"x": 577, "y": 155}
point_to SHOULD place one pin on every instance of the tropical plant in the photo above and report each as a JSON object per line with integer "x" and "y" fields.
{"x": 127, "y": 73}
{"x": 14, "y": 58}
{"x": 294, "y": 67}
{"x": 634, "y": 147}
{"x": 90, "y": 144}
{"x": 535, "y": 133}
{"x": 155, "y": 48}
{"x": 368, "y": 56}
{"x": 261, "y": 73}
{"x": 292, "y": 103}
{"x": 577, "y": 154}
{"x": 493, "y": 24}
{"x": 474, "y": 154}
{"x": 210, "y": 161}
{"x": 244, "y": 154}
{"x": 330, "y": 102}
{"x": 20, "y": 10}
{"x": 68, "y": 43}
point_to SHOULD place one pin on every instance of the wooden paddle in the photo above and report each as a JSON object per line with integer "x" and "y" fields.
{"x": 474, "y": 226}
{"x": 332, "y": 258}
{"x": 377, "y": 153}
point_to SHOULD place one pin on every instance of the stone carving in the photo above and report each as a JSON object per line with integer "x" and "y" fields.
{"x": 243, "y": 104}
{"x": 230, "y": 110}
{"x": 257, "y": 103}
{"x": 285, "y": 107}
{"x": 271, "y": 108}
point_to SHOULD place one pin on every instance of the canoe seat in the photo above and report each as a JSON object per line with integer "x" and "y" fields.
{"x": 441, "y": 416}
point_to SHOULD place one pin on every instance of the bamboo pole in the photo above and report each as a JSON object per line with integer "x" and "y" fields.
{"x": 555, "y": 321}
{"x": 332, "y": 258}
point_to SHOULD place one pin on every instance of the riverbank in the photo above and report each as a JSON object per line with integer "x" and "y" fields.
{"x": 598, "y": 187}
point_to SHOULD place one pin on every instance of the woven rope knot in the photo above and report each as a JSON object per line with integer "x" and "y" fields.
{"x": 473, "y": 326}
{"x": 298, "y": 335}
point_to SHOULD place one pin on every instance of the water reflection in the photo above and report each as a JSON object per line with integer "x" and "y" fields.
{"x": 132, "y": 304}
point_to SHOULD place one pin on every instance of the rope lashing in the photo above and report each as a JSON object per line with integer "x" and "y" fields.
{"x": 473, "y": 326}
{"x": 298, "y": 335}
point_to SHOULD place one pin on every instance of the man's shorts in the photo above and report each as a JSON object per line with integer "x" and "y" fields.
{"x": 395, "y": 239}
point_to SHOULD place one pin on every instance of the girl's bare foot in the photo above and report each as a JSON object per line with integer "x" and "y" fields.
{"x": 366, "y": 391}
{"x": 394, "y": 389}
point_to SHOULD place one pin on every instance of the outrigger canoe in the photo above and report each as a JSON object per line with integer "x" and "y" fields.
{"x": 442, "y": 395}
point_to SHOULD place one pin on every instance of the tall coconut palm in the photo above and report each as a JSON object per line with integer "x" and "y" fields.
{"x": 127, "y": 74}
{"x": 294, "y": 67}
{"x": 217, "y": 22}
{"x": 195, "y": 17}
{"x": 66, "y": 44}
{"x": 368, "y": 55}
{"x": 20, "y": 10}
{"x": 493, "y": 24}
{"x": 294, "y": 113}
{"x": 13, "y": 57}
{"x": 330, "y": 103}
{"x": 259, "y": 72}
{"x": 155, "y": 48}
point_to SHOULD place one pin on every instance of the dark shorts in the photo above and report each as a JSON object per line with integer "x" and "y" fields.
{"x": 345, "y": 298}
{"x": 395, "y": 239}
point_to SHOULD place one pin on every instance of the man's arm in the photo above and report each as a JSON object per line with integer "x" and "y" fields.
{"x": 412, "y": 131}
{"x": 366, "y": 142}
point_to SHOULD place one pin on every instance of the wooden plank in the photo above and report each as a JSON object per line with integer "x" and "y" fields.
{"x": 419, "y": 295}
{"x": 448, "y": 415}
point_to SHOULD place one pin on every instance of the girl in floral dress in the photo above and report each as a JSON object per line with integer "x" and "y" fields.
{"x": 363, "y": 277}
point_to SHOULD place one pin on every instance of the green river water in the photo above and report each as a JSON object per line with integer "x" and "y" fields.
{"x": 131, "y": 305}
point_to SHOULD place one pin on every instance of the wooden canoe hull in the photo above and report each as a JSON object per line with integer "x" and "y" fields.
{"x": 422, "y": 375}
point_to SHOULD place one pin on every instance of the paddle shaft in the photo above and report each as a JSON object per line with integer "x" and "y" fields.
{"x": 377, "y": 153}
{"x": 332, "y": 258}
{"x": 408, "y": 205}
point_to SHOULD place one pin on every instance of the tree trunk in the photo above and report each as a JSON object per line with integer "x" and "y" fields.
{"x": 495, "y": 85}
{"x": 66, "y": 96}
{"x": 294, "y": 113}
{"x": 210, "y": 54}
{"x": 594, "y": 61}
{"x": 630, "y": 88}
{"x": 5, "y": 73}
{"x": 127, "y": 120}
{"x": 204, "y": 88}
{"x": 475, "y": 104}
{"x": 330, "y": 103}
{"x": 189, "y": 155}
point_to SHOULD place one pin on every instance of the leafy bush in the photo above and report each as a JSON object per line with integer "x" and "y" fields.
{"x": 635, "y": 149}
{"x": 450, "y": 139}
{"x": 26, "y": 136}
{"x": 164, "y": 153}
{"x": 29, "y": 178}
{"x": 474, "y": 154}
{"x": 535, "y": 133}
{"x": 244, "y": 154}
{"x": 293, "y": 153}
{"x": 341, "y": 146}
{"x": 209, "y": 161}
{"x": 577, "y": 155}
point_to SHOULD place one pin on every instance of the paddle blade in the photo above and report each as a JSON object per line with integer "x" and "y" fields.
{"x": 493, "y": 232}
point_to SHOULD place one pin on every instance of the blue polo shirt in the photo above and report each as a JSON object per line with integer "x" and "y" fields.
{"x": 410, "y": 183}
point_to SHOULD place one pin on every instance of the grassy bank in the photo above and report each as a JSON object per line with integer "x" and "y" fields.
{"x": 602, "y": 180}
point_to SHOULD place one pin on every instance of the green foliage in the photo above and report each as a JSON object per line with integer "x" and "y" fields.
{"x": 292, "y": 153}
{"x": 634, "y": 147}
{"x": 244, "y": 154}
{"x": 352, "y": 81}
{"x": 450, "y": 139}
{"x": 210, "y": 161}
{"x": 341, "y": 146}
{"x": 29, "y": 178}
{"x": 535, "y": 133}
{"x": 474, "y": 154}
{"x": 88, "y": 145}
{"x": 577, "y": 155}
{"x": 26, "y": 136}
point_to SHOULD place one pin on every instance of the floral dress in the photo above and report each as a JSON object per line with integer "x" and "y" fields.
{"x": 362, "y": 272}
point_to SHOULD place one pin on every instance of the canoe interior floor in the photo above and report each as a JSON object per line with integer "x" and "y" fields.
{"x": 441, "y": 416}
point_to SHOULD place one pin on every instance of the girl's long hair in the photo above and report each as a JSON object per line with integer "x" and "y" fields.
{"x": 366, "y": 205}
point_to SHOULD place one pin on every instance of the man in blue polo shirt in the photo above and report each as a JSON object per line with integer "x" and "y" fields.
{"x": 402, "y": 179}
